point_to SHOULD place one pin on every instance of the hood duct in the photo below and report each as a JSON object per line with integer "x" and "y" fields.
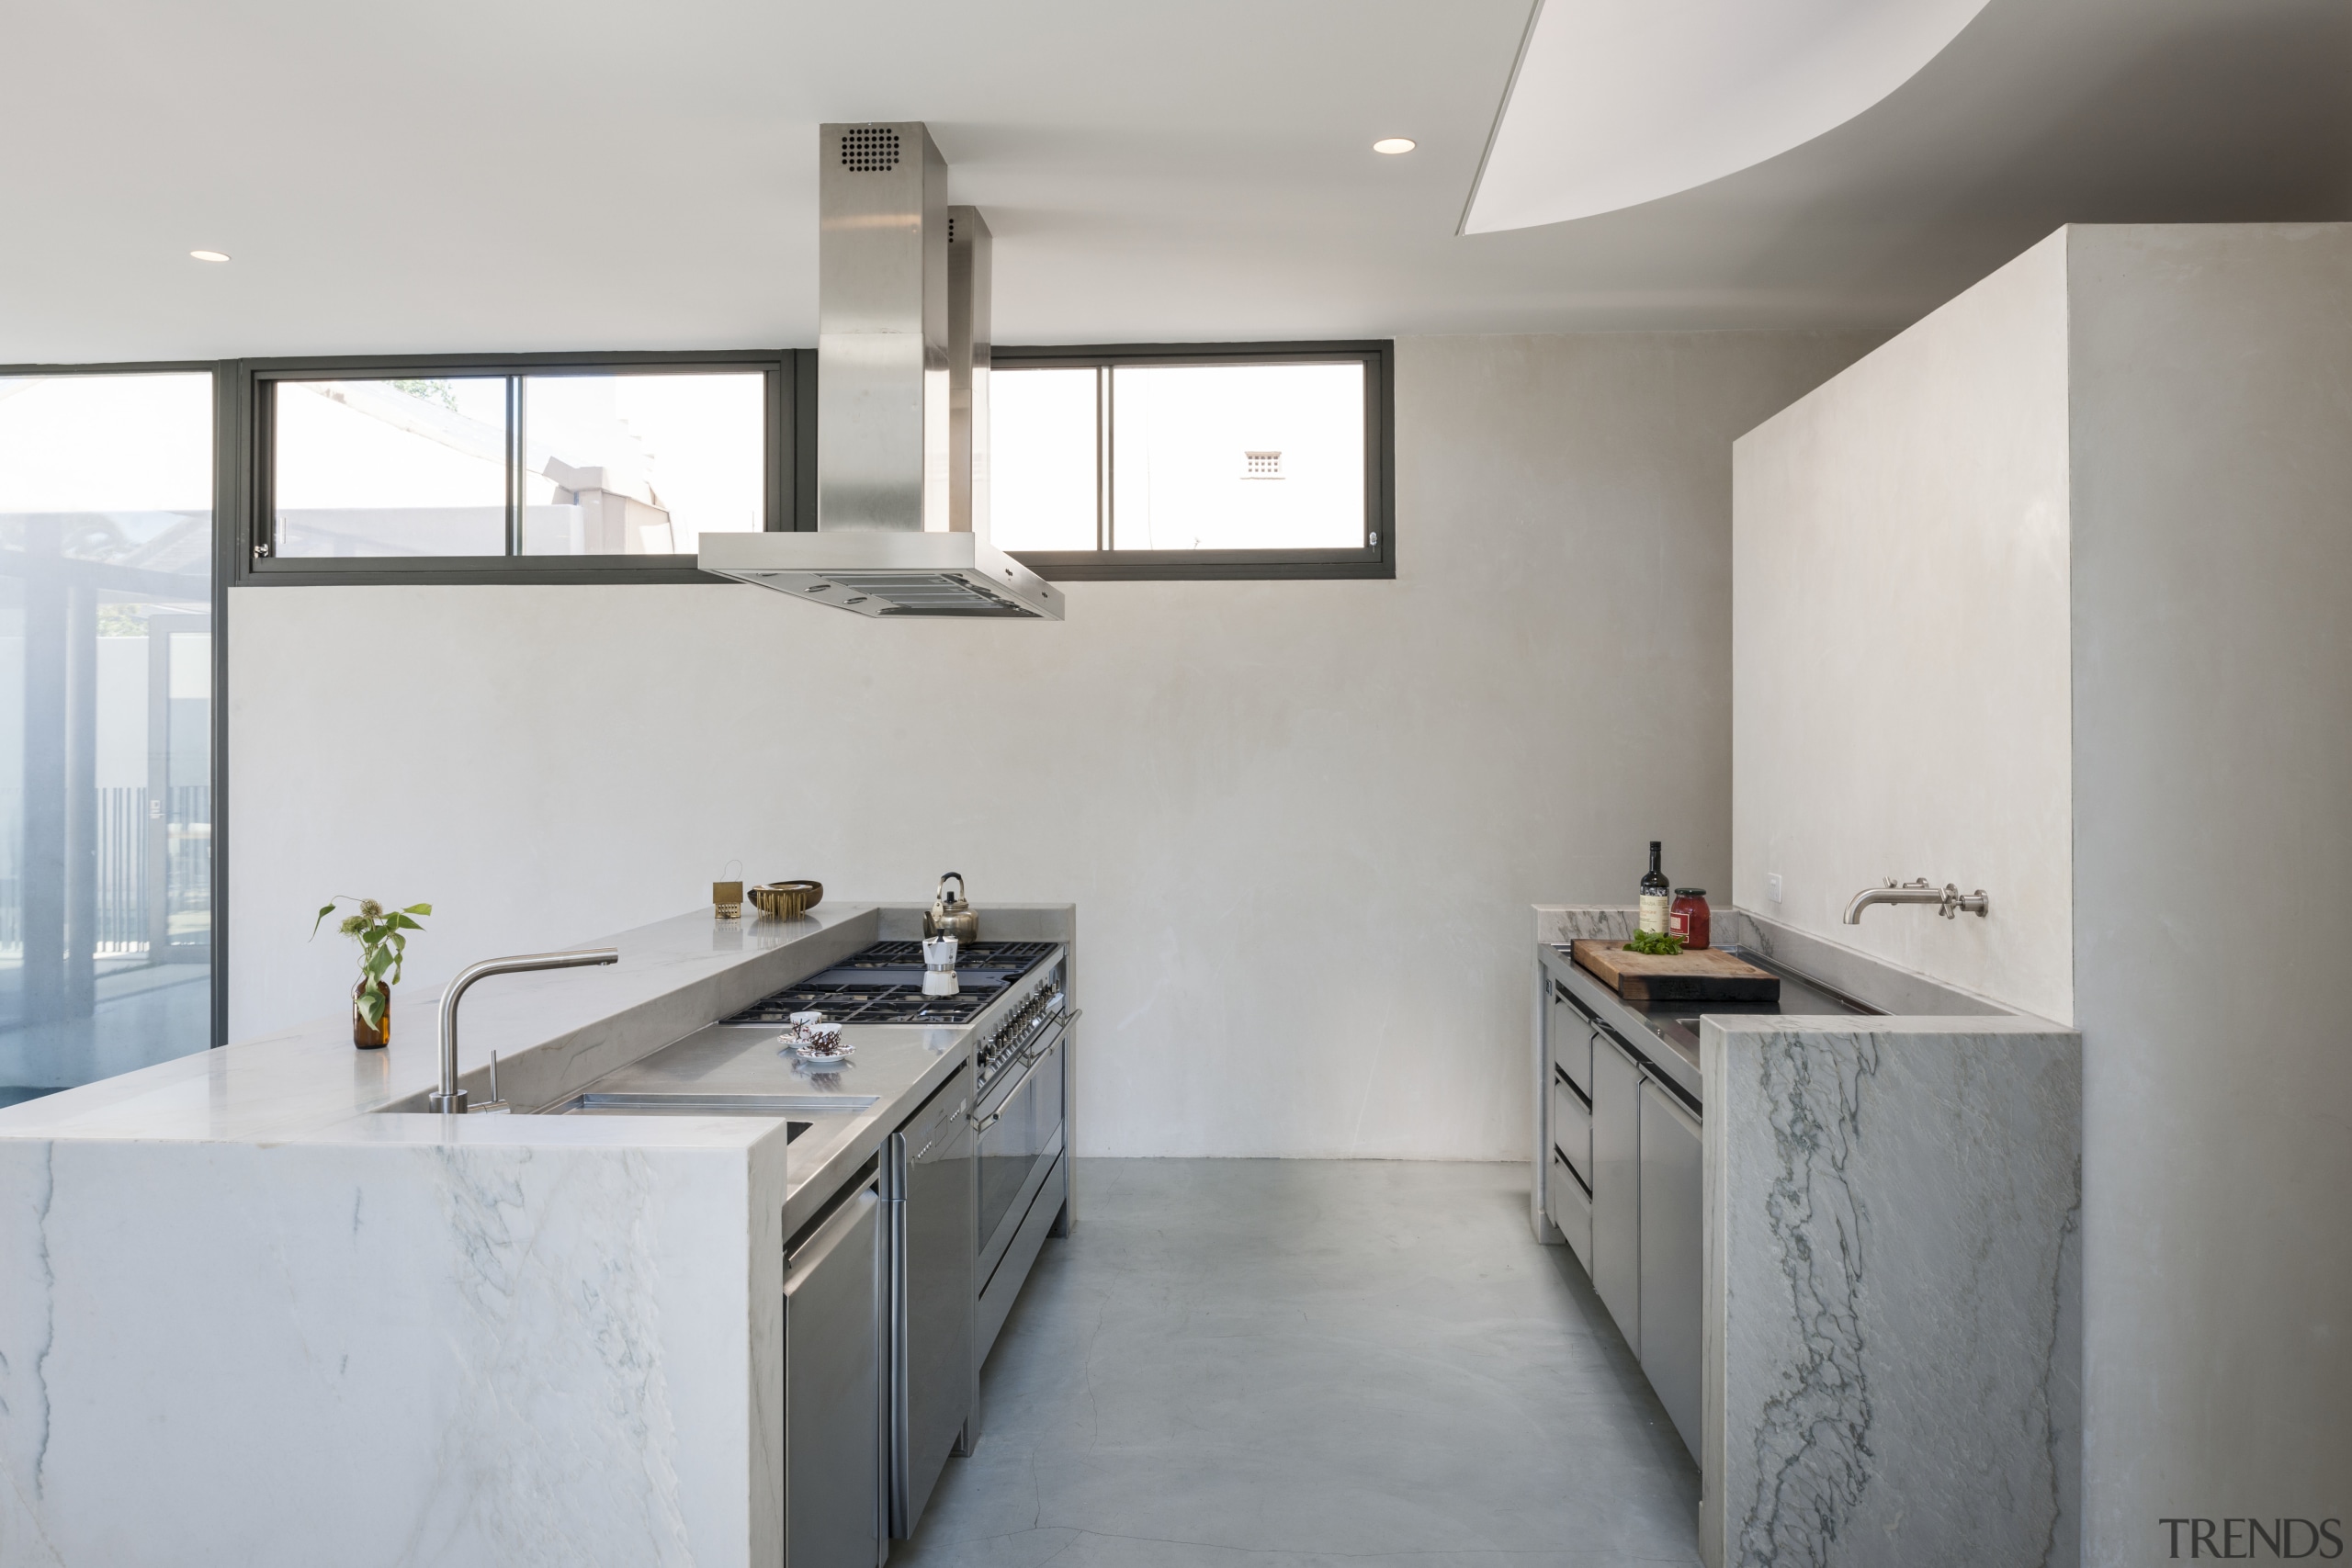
{"x": 902, "y": 369}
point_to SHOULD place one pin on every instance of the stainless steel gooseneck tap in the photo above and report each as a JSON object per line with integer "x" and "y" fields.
{"x": 449, "y": 1100}
{"x": 1949, "y": 900}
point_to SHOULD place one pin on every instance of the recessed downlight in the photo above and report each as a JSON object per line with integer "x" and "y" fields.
{"x": 209, "y": 256}
{"x": 1393, "y": 145}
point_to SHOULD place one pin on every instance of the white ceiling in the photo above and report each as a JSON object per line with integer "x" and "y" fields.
{"x": 1615, "y": 105}
{"x": 443, "y": 174}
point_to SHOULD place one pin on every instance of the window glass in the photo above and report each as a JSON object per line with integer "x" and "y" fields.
{"x": 106, "y": 726}
{"x": 391, "y": 467}
{"x": 1237, "y": 457}
{"x": 641, "y": 465}
{"x": 609, "y": 465}
{"x": 1041, "y": 482}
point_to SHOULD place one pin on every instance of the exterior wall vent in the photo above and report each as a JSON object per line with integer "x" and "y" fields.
{"x": 1261, "y": 465}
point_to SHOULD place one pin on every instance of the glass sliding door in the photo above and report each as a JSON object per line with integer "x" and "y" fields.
{"x": 106, "y": 725}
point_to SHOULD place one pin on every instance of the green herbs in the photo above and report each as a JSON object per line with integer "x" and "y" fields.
{"x": 382, "y": 936}
{"x": 1659, "y": 944}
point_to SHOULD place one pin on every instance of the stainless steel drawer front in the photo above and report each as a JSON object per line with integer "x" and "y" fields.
{"x": 1027, "y": 1239}
{"x": 1571, "y": 1032}
{"x": 1570, "y": 1209}
{"x": 1572, "y": 1129}
{"x": 833, "y": 1390}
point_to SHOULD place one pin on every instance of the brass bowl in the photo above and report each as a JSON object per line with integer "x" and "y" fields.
{"x": 785, "y": 899}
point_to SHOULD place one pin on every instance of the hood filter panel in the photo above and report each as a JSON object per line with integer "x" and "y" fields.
{"x": 937, "y": 595}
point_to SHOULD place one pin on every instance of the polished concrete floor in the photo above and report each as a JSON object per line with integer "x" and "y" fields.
{"x": 1306, "y": 1362}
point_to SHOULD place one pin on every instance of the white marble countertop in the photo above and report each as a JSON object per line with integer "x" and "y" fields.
{"x": 265, "y": 1259}
{"x": 554, "y": 1032}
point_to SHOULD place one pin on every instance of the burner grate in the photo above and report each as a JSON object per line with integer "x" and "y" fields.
{"x": 884, "y": 985}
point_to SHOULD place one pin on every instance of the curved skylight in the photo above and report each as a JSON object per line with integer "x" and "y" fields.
{"x": 1619, "y": 102}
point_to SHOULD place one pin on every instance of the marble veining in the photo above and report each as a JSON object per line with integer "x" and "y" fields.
{"x": 1892, "y": 1291}
{"x": 1560, "y": 924}
{"x": 254, "y": 1313}
{"x": 1812, "y": 1442}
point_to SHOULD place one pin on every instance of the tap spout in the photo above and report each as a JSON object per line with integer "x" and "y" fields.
{"x": 449, "y": 1100}
{"x": 1949, "y": 901}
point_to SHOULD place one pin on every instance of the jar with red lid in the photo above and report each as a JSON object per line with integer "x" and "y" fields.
{"x": 1688, "y": 916}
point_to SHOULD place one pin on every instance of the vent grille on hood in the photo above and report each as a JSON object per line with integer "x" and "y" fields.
{"x": 869, "y": 149}
{"x": 941, "y": 595}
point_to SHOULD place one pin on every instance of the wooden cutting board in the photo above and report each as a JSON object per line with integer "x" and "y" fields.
{"x": 1706, "y": 975}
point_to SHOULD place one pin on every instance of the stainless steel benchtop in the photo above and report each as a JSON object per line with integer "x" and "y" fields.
{"x": 1667, "y": 1034}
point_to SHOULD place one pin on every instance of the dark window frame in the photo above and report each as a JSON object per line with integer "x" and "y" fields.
{"x": 227, "y": 456}
{"x": 789, "y": 479}
{"x": 1378, "y": 559}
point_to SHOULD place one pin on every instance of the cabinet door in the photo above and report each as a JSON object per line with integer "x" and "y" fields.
{"x": 833, "y": 1384}
{"x": 1616, "y": 1186}
{"x": 1673, "y": 1256}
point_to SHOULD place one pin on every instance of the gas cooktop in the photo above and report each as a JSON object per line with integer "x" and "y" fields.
{"x": 884, "y": 985}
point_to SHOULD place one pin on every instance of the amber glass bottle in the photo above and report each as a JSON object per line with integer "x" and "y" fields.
{"x": 369, "y": 1039}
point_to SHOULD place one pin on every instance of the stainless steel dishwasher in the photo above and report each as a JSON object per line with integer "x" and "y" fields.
{"x": 832, "y": 1389}
{"x": 928, "y": 1191}
{"x": 1673, "y": 1266}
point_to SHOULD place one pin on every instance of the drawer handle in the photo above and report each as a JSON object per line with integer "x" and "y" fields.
{"x": 1570, "y": 1170}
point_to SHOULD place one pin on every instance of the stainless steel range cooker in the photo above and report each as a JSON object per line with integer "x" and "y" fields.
{"x": 969, "y": 1187}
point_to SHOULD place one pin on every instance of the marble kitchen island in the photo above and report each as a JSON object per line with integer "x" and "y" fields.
{"x": 258, "y": 1307}
{"x": 1853, "y": 1276}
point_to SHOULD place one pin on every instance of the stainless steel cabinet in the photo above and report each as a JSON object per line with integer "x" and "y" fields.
{"x": 1568, "y": 1193}
{"x": 1620, "y": 1178}
{"x": 1563, "y": 1119}
{"x": 928, "y": 1184}
{"x": 833, "y": 1389}
{"x": 1616, "y": 1185}
{"x": 1672, "y": 1254}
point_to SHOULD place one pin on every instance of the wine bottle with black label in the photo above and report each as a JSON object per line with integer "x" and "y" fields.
{"x": 1657, "y": 894}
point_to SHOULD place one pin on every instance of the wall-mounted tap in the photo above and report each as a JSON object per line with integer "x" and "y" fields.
{"x": 1949, "y": 900}
{"x": 449, "y": 1099}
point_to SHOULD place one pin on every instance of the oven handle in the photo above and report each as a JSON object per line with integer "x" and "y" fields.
{"x": 1038, "y": 1053}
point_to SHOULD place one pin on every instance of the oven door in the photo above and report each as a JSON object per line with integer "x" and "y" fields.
{"x": 1020, "y": 1125}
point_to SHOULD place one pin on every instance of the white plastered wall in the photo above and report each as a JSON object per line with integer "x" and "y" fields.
{"x": 2205, "y": 416}
{"x": 1302, "y": 822}
{"x": 1900, "y": 634}
{"x": 2213, "y": 671}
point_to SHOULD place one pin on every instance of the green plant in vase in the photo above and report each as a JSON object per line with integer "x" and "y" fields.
{"x": 383, "y": 936}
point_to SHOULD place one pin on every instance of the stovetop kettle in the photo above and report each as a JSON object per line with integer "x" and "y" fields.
{"x": 951, "y": 916}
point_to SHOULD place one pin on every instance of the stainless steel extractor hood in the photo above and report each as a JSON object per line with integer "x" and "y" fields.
{"x": 902, "y": 357}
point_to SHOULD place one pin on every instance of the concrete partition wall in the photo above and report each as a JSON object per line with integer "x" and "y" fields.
{"x": 2213, "y": 672}
{"x": 1899, "y": 644}
{"x": 2058, "y": 585}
